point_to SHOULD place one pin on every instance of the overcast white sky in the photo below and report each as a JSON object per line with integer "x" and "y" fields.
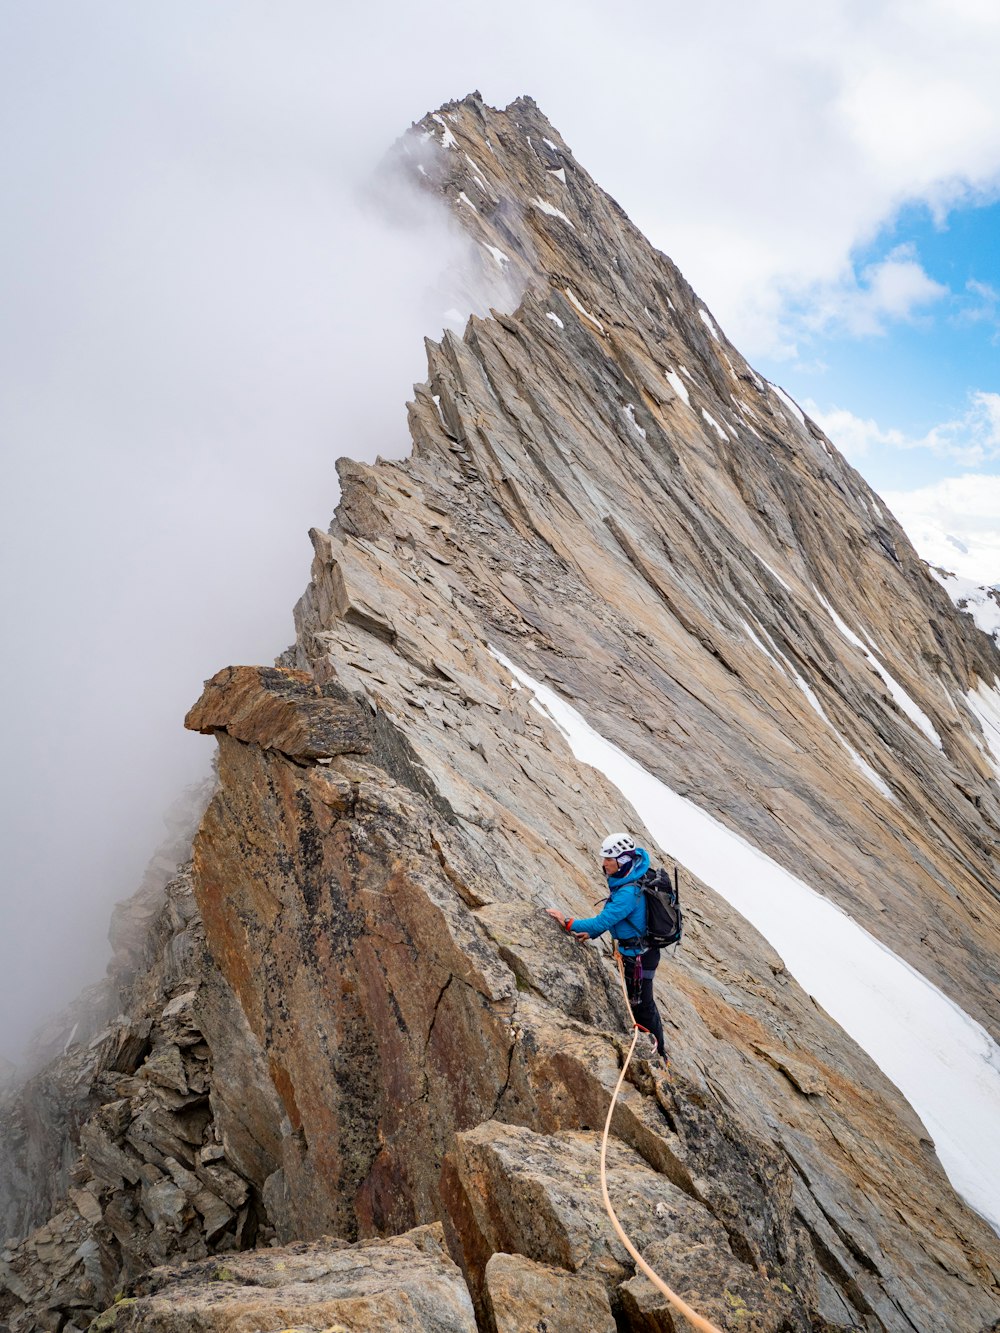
{"x": 197, "y": 318}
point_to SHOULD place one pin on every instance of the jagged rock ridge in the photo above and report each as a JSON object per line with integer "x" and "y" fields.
{"x": 600, "y": 485}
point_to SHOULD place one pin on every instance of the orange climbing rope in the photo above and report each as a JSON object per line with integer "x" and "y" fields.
{"x": 681, "y": 1306}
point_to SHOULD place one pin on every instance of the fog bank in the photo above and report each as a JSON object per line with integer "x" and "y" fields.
{"x": 205, "y": 305}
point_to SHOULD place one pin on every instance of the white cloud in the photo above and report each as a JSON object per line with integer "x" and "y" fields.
{"x": 982, "y": 307}
{"x": 854, "y": 436}
{"x": 844, "y": 115}
{"x": 954, "y": 524}
{"x": 894, "y": 288}
{"x": 972, "y": 439}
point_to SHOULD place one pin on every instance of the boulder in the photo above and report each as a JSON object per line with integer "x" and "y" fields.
{"x": 522, "y": 1295}
{"x": 406, "y": 1284}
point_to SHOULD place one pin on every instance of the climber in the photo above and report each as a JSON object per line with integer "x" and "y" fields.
{"x": 624, "y": 915}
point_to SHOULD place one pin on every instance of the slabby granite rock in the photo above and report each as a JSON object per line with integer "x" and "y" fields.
{"x": 406, "y": 1284}
{"x": 539, "y": 1197}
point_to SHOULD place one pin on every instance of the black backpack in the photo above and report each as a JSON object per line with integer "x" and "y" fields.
{"x": 664, "y": 921}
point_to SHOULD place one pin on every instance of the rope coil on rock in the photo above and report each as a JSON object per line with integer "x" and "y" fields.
{"x": 680, "y": 1305}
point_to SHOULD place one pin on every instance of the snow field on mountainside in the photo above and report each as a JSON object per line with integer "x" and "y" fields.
{"x": 943, "y": 1062}
{"x": 984, "y": 702}
{"x": 975, "y": 600}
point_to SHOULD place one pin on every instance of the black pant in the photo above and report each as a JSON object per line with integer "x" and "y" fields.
{"x": 639, "y": 981}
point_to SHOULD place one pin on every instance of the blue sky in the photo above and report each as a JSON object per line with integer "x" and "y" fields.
{"x": 914, "y": 372}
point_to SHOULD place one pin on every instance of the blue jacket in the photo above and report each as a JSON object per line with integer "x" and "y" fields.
{"x": 624, "y": 914}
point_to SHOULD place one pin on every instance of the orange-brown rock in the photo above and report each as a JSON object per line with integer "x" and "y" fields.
{"x": 522, "y": 1295}
{"x": 444, "y": 1008}
{"x": 268, "y": 707}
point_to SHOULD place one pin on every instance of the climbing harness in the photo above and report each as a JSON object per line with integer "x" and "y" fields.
{"x": 681, "y": 1306}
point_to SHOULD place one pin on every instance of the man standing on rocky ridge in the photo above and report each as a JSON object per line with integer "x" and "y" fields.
{"x": 624, "y": 915}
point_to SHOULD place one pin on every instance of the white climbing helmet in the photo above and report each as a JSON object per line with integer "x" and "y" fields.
{"x": 617, "y": 844}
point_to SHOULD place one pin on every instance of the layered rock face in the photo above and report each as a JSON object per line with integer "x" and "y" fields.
{"x": 385, "y": 1040}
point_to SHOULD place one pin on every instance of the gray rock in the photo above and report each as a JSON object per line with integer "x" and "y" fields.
{"x": 404, "y": 1283}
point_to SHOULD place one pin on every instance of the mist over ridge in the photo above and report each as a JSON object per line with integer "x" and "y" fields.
{"x": 215, "y": 328}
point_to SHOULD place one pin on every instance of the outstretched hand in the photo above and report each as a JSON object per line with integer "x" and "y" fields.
{"x": 556, "y": 915}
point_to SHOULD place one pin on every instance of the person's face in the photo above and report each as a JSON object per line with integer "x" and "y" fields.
{"x": 610, "y": 865}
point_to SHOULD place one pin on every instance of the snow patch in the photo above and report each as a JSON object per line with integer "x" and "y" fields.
{"x": 549, "y": 144}
{"x": 944, "y": 1063}
{"x": 715, "y": 426}
{"x": 860, "y": 764}
{"x": 814, "y": 703}
{"x": 771, "y": 570}
{"x": 706, "y": 319}
{"x": 877, "y": 781}
{"x": 437, "y": 404}
{"x": 467, "y": 201}
{"x": 678, "y": 385}
{"x": 745, "y": 413}
{"x": 448, "y": 140}
{"x": 757, "y": 642}
{"x": 790, "y": 403}
{"x": 560, "y": 174}
{"x": 501, "y": 259}
{"x": 550, "y": 314}
{"x": 551, "y": 210}
{"x": 583, "y": 309}
{"x": 630, "y": 413}
{"x": 477, "y": 170}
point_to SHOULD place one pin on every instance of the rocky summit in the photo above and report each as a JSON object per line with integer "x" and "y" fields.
{"x": 345, "y": 1072}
